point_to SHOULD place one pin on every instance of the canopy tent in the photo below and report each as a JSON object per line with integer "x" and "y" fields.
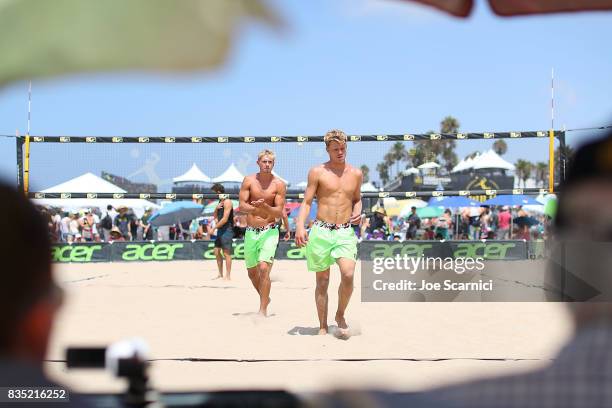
{"x": 368, "y": 187}
{"x": 230, "y": 175}
{"x": 410, "y": 171}
{"x": 464, "y": 164}
{"x": 193, "y": 175}
{"x": 429, "y": 165}
{"x": 491, "y": 160}
{"x": 86, "y": 183}
{"x": 463, "y": 8}
{"x": 486, "y": 160}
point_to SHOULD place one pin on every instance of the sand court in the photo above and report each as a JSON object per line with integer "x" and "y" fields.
{"x": 204, "y": 333}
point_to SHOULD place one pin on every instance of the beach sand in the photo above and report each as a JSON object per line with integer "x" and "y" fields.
{"x": 185, "y": 316}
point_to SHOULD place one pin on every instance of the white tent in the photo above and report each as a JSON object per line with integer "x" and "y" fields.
{"x": 368, "y": 187}
{"x": 193, "y": 175}
{"x": 429, "y": 165}
{"x": 464, "y": 164}
{"x": 90, "y": 183}
{"x": 85, "y": 183}
{"x": 491, "y": 160}
{"x": 302, "y": 185}
{"x": 411, "y": 170}
{"x": 230, "y": 175}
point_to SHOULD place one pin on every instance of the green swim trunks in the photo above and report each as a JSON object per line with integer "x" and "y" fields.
{"x": 260, "y": 245}
{"x": 327, "y": 243}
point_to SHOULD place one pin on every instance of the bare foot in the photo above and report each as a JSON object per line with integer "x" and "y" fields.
{"x": 264, "y": 310}
{"x": 218, "y": 277}
{"x": 322, "y": 331}
{"x": 343, "y": 329}
{"x": 227, "y": 278}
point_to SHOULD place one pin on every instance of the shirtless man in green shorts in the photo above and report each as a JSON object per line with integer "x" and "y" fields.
{"x": 262, "y": 198}
{"x": 337, "y": 187}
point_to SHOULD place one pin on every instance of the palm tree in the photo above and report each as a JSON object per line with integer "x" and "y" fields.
{"x": 366, "y": 173}
{"x": 500, "y": 147}
{"x": 383, "y": 172}
{"x": 398, "y": 153}
{"x": 541, "y": 169}
{"x": 389, "y": 160}
{"x": 449, "y": 125}
{"x": 523, "y": 170}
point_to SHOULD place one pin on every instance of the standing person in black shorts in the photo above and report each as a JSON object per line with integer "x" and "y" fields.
{"x": 224, "y": 222}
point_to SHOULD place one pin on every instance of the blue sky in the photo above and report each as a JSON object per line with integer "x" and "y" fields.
{"x": 366, "y": 66}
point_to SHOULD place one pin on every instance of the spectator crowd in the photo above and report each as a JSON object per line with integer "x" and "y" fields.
{"x": 474, "y": 223}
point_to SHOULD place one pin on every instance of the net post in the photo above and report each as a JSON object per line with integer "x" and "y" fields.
{"x": 19, "y": 151}
{"x": 26, "y": 165}
{"x": 551, "y": 160}
{"x": 562, "y": 157}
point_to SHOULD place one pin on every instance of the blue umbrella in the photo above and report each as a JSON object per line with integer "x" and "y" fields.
{"x": 453, "y": 202}
{"x": 311, "y": 215}
{"x": 518, "y": 199}
{"x": 176, "y": 212}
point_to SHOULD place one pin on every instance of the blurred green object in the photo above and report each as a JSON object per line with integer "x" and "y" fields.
{"x": 49, "y": 38}
{"x": 550, "y": 208}
{"x": 430, "y": 212}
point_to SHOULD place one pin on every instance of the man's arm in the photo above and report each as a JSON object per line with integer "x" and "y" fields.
{"x": 243, "y": 196}
{"x": 286, "y": 224}
{"x": 311, "y": 189}
{"x": 357, "y": 204}
{"x": 227, "y": 208}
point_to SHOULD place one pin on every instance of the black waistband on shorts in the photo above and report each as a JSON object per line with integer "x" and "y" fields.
{"x": 330, "y": 226}
{"x": 262, "y": 229}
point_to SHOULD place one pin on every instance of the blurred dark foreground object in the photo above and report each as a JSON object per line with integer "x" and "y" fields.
{"x": 463, "y": 8}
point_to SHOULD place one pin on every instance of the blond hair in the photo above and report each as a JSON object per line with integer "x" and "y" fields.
{"x": 335, "y": 135}
{"x": 266, "y": 152}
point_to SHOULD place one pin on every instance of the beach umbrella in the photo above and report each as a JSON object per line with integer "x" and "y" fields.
{"x": 528, "y": 221}
{"x": 395, "y": 207}
{"x": 60, "y": 37}
{"x": 312, "y": 215}
{"x": 454, "y": 202}
{"x": 408, "y": 204}
{"x": 517, "y": 199}
{"x": 210, "y": 207}
{"x": 290, "y": 206}
{"x": 176, "y": 212}
{"x": 430, "y": 212}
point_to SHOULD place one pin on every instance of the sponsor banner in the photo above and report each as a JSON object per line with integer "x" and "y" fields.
{"x": 285, "y": 250}
{"x": 81, "y": 252}
{"x": 489, "y": 250}
{"x": 205, "y": 250}
{"x": 151, "y": 251}
{"x": 367, "y": 250}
